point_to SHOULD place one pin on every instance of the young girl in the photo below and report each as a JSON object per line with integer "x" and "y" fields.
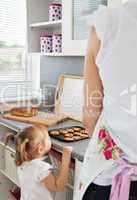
{"x": 35, "y": 175}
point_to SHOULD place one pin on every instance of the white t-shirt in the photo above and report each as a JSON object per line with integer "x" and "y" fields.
{"x": 30, "y": 176}
{"x": 117, "y": 62}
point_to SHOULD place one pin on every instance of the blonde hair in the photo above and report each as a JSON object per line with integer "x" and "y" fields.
{"x": 27, "y": 142}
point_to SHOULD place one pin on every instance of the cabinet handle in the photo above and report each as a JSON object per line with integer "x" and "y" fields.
{"x": 12, "y": 155}
{"x": 57, "y": 95}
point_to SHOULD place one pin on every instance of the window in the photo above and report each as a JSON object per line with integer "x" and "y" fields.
{"x": 15, "y": 76}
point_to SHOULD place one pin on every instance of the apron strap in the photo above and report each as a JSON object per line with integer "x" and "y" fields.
{"x": 121, "y": 182}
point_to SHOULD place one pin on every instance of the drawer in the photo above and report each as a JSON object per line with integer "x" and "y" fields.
{"x": 78, "y": 166}
{"x": 10, "y": 166}
{"x": 2, "y": 157}
{"x": 5, "y": 186}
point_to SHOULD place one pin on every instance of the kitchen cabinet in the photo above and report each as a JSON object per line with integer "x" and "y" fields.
{"x": 38, "y": 22}
{"x": 2, "y": 157}
{"x": 78, "y": 165}
{"x": 7, "y": 163}
{"x": 113, "y": 3}
{"x": 10, "y": 164}
{"x": 72, "y": 26}
{"x": 8, "y": 176}
{"x": 5, "y": 186}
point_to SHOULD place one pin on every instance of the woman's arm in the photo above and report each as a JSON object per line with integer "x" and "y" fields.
{"x": 58, "y": 183}
{"x": 93, "y": 89}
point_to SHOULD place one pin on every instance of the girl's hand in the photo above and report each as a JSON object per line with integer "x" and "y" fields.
{"x": 66, "y": 157}
{"x": 68, "y": 149}
{"x": 58, "y": 183}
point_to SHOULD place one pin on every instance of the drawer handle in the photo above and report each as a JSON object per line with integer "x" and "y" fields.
{"x": 12, "y": 155}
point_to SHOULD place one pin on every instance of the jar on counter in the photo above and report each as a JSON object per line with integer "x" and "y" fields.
{"x": 57, "y": 43}
{"x": 46, "y": 43}
{"x": 55, "y": 12}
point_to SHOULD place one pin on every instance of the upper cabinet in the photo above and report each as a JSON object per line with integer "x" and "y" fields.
{"x": 72, "y": 26}
{"x": 114, "y": 3}
{"x": 38, "y": 24}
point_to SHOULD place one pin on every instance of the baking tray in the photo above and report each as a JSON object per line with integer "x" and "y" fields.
{"x": 65, "y": 125}
{"x": 61, "y": 138}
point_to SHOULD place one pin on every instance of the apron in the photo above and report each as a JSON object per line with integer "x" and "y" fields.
{"x": 117, "y": 67}
{"x": 94, "y": 162}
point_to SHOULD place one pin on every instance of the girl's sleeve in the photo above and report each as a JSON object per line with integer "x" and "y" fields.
{"x": 43, "y": 169}
{"x": 100, "y": 20}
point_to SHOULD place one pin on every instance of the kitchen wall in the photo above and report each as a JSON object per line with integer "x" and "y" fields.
{"x": 52, "y": 67}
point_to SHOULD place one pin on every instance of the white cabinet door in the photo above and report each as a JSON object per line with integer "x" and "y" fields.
{"x": 70, "y": 45}
{"x": 114, "y": 3}
{"x": 74, "y": 25}
{"x": 2, "y": 157}
{"x": 10, "y": 166}
{"x": 74, "y": 29}
{"x": 78, "y": 166}
{"x": 5, "y": 186}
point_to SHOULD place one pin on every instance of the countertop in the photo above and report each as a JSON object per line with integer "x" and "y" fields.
{"x": 79, "y": 147}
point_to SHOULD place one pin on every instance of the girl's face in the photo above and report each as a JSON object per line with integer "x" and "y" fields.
{"x": 47, "y": 144}
{"x": 45, "y": 148}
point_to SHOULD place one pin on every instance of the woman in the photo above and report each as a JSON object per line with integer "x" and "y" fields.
{"x": 110, "y": 165}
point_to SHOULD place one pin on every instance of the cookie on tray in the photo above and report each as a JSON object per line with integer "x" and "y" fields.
{"x": 68, "y": 135}
{"x": 77, "y": 129}
{"x": 76, "y": 137}
{"x": 63, "y": 131}
{"x": 84, "y": 131}
{"x": 54, "y": 133}
{"x": 68, "y": 139}
{"x": 70, "y": 130}
{"x": 84, "y": 136}
{"x": 77, "y": 133}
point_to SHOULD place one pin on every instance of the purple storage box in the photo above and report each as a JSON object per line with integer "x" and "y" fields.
{"x": 57, "y": 43}
{"x": 46, "y": 43}
{"x": 55, "y": 12}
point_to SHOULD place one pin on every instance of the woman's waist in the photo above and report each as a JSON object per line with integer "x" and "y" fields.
{"x": 123, "y": 135}
{"x": 126, "y": 107}
{"x": 119, "y": 119}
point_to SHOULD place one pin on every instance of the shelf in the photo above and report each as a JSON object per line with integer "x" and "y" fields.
{"x": 47, "y": 24}
{"x": 48, "y": 54}
{"x": 55, "y": 54}
{"x": 51, "y": 54}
